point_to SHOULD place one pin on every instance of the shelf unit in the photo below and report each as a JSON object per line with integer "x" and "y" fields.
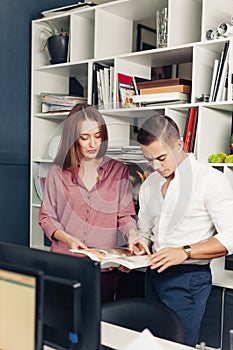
{"x": 106, "y": 34}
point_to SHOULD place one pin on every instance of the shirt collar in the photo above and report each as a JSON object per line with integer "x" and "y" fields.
{"x": 184, "y": 166}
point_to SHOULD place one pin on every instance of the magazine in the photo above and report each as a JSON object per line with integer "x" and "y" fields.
{"x": 114, "y": 257}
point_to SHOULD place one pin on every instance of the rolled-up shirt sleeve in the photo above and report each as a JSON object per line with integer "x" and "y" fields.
{"x": 145, "y": 218}
{"x": 48, "y": 218}
{"x": 219, "y": 203}
{"x": 126, "y": 209}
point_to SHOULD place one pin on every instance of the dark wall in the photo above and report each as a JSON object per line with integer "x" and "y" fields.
{"x": 15, "y": 44}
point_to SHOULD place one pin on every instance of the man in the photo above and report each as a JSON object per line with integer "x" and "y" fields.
{"x": 186, "y": 215}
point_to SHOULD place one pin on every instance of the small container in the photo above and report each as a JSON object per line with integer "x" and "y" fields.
{"x": 225, "y": 29}
{"x": 161, "y": 27}
{"x": 231, "y": 339}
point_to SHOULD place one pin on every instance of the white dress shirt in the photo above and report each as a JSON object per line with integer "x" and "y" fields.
{"x": 197, "y": 205}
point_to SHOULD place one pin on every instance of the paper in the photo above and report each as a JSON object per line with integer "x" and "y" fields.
{"x": 145, "y": 340}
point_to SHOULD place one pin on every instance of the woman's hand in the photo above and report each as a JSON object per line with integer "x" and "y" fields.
{"x": 71, "y": 241}
{"x": 123, "y": 269}
{"x": 75, "y": 243}
{"x": 166, "y": 257}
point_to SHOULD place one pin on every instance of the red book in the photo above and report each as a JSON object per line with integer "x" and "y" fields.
{"x": 123, "y": 79}
{"x": 190, "y": 132}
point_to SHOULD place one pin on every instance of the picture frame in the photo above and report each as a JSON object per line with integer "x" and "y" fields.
{"x": 126, "y": 93}
{"x": 146, "y": 38}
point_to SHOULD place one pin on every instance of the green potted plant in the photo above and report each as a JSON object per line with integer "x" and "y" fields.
{"x": 56, "y": 40}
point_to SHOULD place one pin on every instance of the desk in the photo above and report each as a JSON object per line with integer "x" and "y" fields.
{"x": 118, "y": 338}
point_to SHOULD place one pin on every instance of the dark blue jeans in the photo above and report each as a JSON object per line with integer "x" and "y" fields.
{"x": 185, "y": 289}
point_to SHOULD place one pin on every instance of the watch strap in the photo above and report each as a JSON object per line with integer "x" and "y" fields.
{"x": 188, "y": 251}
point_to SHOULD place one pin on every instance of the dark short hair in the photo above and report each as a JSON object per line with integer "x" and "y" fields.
{"x": 158, "y": 128}
{"x": 69, "y": 155}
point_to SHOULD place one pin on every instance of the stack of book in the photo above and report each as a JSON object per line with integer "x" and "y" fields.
{"x": 51, "y": 103}
{"x": 127, "y": 154}
{"x": 174, "y": 90}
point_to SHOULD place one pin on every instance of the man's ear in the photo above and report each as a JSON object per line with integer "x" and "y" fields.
{"x": 179, "y": 145}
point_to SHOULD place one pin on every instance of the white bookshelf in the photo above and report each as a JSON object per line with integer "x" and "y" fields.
{"x": 105, "y": 33}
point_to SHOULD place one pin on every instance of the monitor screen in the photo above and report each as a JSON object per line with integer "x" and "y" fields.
{"x": 62, "y": 324}
{"x": 21, "y": 308}
{"x": 85, "y": 271}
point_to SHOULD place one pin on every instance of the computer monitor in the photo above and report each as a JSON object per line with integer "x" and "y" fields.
{"x": 62, "y": 324}
{"x": 21, "y": 308}
{"x": 63, "y": 266}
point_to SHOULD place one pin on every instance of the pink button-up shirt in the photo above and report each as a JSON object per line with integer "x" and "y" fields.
{"x": 92, "y": 216}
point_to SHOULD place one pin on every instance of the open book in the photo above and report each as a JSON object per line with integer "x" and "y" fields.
{"x": 114, "y": 257}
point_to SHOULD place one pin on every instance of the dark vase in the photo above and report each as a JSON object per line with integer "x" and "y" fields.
{"x": 58, "y": 47}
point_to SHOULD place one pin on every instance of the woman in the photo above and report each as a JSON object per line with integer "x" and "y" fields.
{"x": 87, "y": 195}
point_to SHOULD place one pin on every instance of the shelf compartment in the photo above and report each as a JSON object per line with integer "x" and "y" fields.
{"x": 204, "y": 56}
{"x": 218, "y": 136}
{"x": 185, "y": 26}
{"x": 44, "y": 130}
{"x": 40, "y": 54}
{"x": 82, "y": 36}
{"x": 215, "y": 13}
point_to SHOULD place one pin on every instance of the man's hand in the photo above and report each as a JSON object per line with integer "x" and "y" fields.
{"x": 136, "y": 244}
{"x": 166, "y": 257}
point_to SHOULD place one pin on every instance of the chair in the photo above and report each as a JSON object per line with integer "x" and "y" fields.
{"x": 138, "y": 314}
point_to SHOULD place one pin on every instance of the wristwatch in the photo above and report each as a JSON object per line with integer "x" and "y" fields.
{"x": 188, "y": 251}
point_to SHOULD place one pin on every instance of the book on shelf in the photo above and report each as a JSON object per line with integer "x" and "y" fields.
{"x": 113, "y": 257}
{"x": 162, "y": 97}
{"x": 127, "y": 154}
{"x": 222, "y": 68}
{"x": 61, "y": 98}
{"x": 126, "y": 94}
{"x": 231, "y": 139}
{"x": 163, "y": 82}
{"x": 222, "y": 89}
{"x": 59, "y": 102}
{"x": 95, "y": 84}
{"x": 190, "y": 130}
{"x": 225, "y": 87}
{"x": 214, "y": 75}
{"x": 54, "y": 108}
{"x": 127, "y": 88}
{"x": 102, "y": 85}
{"x": 170, "y": 88}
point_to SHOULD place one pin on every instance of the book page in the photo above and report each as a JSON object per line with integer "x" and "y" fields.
{"x": 113, "y": 257}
